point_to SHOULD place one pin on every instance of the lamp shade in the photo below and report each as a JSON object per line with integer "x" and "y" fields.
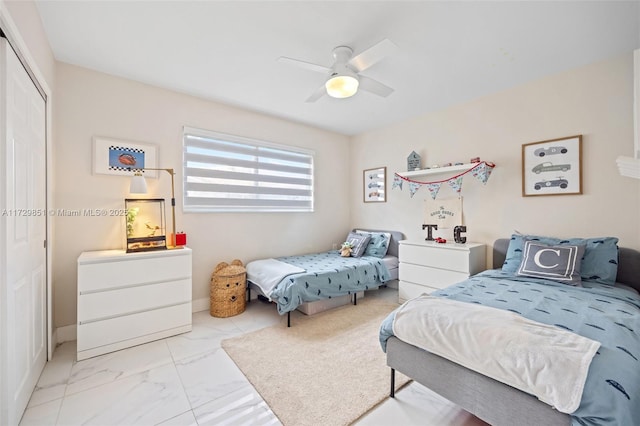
{"x": 342, "y": 86}
{"x": 138, "y": 184}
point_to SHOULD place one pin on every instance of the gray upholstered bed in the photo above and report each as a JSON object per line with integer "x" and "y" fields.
{"x": 486, "y": 398}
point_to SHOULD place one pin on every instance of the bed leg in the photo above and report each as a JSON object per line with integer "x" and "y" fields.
{"x": 392, "y": 393}
{"x": 289, "y": 319}
{"x": 248, "y": 293}
{"x": 355, "y": 298}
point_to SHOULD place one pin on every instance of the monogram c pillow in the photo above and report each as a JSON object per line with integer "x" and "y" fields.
{"x": 599, "y": 263}
{"x": 559, "y": 263}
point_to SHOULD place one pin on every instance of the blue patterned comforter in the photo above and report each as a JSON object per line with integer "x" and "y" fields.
{"x": 609, "y": 315}
{"x": 327, "y": 275}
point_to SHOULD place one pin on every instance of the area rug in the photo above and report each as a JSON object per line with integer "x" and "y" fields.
{"x": 326, "y": 369}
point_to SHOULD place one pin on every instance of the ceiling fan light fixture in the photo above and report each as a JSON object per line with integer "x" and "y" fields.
{"x": 342, "y": 86}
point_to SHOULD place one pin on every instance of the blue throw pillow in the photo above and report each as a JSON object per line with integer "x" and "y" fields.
{"x": 358, "y": 242}
{"x": 378, "y": 244}
{"x": 599, "y": 263}
{"x": 559, "y": 263}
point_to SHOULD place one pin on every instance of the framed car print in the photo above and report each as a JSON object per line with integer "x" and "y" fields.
{"x": 374, "y": 185}
{"x": 123, "y": 158}
{"x": 552, "y": 167}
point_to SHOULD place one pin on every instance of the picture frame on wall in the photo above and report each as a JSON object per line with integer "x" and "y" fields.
{"x": 374, "y": 185}
{"x": 122, "y": 158}
{"x": 552, "y": 167}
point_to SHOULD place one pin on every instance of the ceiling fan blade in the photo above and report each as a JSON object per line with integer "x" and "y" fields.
{"x": 372, "y": 55}
{"x": 320, "y": 92}
{"x": 306, "y": 65}
{"x": 374, "y": 86}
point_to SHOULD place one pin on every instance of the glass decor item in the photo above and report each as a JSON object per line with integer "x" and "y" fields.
{"x": 145, "y": 224}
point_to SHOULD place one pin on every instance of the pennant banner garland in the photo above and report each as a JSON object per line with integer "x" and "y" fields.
{"x": 397, "y": 182}
{"x": 413, "y": 187}
{"x": 433, "y": 189}
{"x": 456, "y": 183}
{"x": 481, "y": 171}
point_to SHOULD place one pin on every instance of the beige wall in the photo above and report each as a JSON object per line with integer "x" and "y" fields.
{"x": 94, "y": 104}
{"x": 26, "y": 18}
{"x": 595, "y": 101}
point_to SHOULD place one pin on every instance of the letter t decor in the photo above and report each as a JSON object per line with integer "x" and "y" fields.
{"x": 429, "y": 231}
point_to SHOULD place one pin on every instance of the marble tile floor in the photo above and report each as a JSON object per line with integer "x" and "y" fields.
{"x": 189, "y": 380}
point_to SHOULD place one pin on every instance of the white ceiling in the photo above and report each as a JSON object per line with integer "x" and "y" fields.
{"x": 448, "y": 52}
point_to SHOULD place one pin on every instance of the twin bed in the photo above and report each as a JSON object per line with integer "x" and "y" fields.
{"x": 596, "y": 323}
{"x": 589, "y": 374}
{"x": 315, "y": 282}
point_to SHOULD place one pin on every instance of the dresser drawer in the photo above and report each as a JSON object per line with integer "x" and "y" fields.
{"x": 432, "y": 277}
{"x": 127, "y": 327}
{"x": 125, "y": 301}
{"x": 130, "y": 270}
{"x": 437, "y": 257}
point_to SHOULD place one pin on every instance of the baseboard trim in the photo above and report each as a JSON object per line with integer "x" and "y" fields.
{"x": 199, "y": 305}
{"x": 67, "y": 333}
{"x": 54, "y": 342}
{"x": 392, "y": 284}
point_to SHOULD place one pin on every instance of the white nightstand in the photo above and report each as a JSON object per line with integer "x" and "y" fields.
{"x": 427, "y": 266}
{"x": 125, "y": 299}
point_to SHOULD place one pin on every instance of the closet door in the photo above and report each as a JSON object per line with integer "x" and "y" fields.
{"x": 23, "y": 286}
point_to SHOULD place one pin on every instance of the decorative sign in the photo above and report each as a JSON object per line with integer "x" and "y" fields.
{"x": 445, "y": 213}
{"x": 413, "y": 162}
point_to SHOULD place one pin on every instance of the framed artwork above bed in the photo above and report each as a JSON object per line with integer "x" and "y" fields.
{"x": 374, "y": 185}
{"x": 552, "y": 167}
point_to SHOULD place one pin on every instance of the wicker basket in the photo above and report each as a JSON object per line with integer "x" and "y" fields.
{"x": 228, "y": 288}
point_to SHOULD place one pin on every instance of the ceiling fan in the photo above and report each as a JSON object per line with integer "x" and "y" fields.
{"x": 343, "y": 77}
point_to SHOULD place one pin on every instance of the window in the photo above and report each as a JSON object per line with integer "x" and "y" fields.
{"x": 224, "y": 173}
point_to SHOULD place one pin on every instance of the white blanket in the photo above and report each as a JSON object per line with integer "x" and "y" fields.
{"x": 539, "y": 359}
{"x": 267, "y": 273}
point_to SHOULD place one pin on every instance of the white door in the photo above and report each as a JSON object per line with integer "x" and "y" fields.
{"x": 23, "y": 292}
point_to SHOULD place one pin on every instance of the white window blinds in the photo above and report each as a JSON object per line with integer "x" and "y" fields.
{"x": 231, "y": 173}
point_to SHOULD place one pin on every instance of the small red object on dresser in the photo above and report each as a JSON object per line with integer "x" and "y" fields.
{"x": 181, "y": 239}
{"x": 440, "y": 240}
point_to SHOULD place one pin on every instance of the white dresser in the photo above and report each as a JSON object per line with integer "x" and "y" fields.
{"x": 125, "y": 299}
{"x": 427, "y": 266}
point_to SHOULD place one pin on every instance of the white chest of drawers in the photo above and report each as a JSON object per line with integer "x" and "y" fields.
{"x": 125, "y": 299}
{"x": 428, "y": 266}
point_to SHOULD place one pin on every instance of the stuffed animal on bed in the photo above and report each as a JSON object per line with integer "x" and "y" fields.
{"x": 345, "y": 249}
